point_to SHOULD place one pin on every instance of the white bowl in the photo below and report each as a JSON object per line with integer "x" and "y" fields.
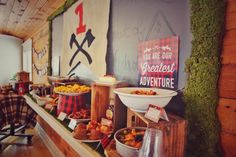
{"x": 41, "y": 101}
{"x": 123, "y": 149}
{"x": 140, "y": 103}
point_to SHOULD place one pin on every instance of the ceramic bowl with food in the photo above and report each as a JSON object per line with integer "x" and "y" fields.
{"x": 129, "y": 141}
{"x": 139, "y": 98}
{"x": 41, "y": 101}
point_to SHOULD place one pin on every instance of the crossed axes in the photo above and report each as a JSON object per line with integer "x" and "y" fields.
{"x": 89, "y": 38}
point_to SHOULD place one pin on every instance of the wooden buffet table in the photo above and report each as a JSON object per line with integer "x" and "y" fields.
{"x": 69, "y": 146}
{"x": 174, "y": 134}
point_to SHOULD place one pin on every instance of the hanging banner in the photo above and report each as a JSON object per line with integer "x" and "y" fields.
{"x": 85, "y": 27}
{"x": 40, "y": 55}
{"x": 158, "y": 63}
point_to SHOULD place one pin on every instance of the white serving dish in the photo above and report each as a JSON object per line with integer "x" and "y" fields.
{"x": 140, "y": 103}
{"x": 41, "y": 101}
{"x": 123, "y": 149}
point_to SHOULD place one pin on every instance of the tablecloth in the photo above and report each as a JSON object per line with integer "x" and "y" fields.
{"x": 14, "y": 109}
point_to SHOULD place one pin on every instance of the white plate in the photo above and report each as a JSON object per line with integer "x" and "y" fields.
{"x": 107, "y": 83}
{"x": 90, "y": 141}
{"x": 80, "y": 120}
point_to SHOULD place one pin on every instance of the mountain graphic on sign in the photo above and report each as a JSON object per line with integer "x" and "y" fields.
{"x": 160, "y": 27}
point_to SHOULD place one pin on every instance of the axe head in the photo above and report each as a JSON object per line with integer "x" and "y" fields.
{"x": 72, "y": 40}
{"x": 89, "y": 37}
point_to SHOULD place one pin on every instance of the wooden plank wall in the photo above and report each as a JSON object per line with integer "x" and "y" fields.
{"x": 22, "y": 18}
{"x": 227, "y": 84}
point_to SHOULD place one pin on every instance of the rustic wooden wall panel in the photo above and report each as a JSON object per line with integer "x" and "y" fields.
{"x": 231, "y": 6}
{"x": 227, "y": 84}
{"x": 228, "y": 144}
{"x": 231, "y": 20}
{"x": 227, "y": 81}
{"x": 229, "y": 38}
{"x": 22, "y": 18}
{"x": 229, "y": 54}
{"x": 227, "y": 113}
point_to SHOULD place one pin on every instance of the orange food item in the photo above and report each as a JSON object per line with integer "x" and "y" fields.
{"x": 95, "y": 134}
{"x": 143, "y": 92}
{"x": 132, "y": 137}
{"x": 92, "y": 131}
{"x": 80, "y": 132}
{"x": 82, "y": 114}
{"x": 92, "y": 125}
{"x": 105, "y": 129}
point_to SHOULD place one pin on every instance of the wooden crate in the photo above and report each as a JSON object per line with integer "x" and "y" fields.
{"x": 23, "y": 76}
{"x": 100, "y": 98}
{"x": 174, "y": 131}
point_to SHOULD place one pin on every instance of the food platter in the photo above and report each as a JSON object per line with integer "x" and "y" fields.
{"x": 83, "y": 115}
{"x": 93, "y": 141}
{"x": 90, "y": 141}
{"x": 80, "y": 120}
{"x": 60, "y": 78}
{"x": 91, "y": 132}
{"x": 72, "y": 94}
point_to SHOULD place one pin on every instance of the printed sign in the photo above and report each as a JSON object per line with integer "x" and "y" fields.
{"x": 62, "y": 116}
{"x": 72, "y": 124}
{"x": 158, "y": 63}
{"x": 85, "y": 27}
{"x": 154, "y": 113}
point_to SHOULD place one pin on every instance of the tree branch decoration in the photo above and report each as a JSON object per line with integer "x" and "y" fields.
{"x": 41, "y": 53}
{"x": 41, "y": 71}
{"x": 201, "y": 94}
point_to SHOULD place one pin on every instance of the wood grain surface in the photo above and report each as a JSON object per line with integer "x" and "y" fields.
{"x": 22, "y": 18}
{"x": 227, "y": 84}
{"x": 227, "y": 113}
{"x": 20, "y": 149}
{"x": 227, "y": 81}
{"x": 174, "y": 132}
{"x": 60, "y": 142}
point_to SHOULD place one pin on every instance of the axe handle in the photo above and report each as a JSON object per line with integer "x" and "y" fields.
{"x": 74, "y": 68}
{"x": 84, "y": 52}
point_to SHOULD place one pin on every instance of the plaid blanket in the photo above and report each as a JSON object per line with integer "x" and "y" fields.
{"x": 14, "y": 109}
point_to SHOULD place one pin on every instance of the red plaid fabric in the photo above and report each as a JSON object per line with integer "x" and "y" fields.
{"x": 105, "y": 141}
{"x": 69, "y": 104}
{"x": 14, "y": 109}
{"x": 159, "y": 52}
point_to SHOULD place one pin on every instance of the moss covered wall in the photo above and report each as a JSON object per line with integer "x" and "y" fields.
{"x": 201, "y": 92}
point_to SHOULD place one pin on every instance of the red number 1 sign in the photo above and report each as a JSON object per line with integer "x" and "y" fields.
{"x": 81, "y": 28}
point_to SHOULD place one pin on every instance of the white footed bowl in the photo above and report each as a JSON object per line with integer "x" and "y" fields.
{"x": 140, "y": 103}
